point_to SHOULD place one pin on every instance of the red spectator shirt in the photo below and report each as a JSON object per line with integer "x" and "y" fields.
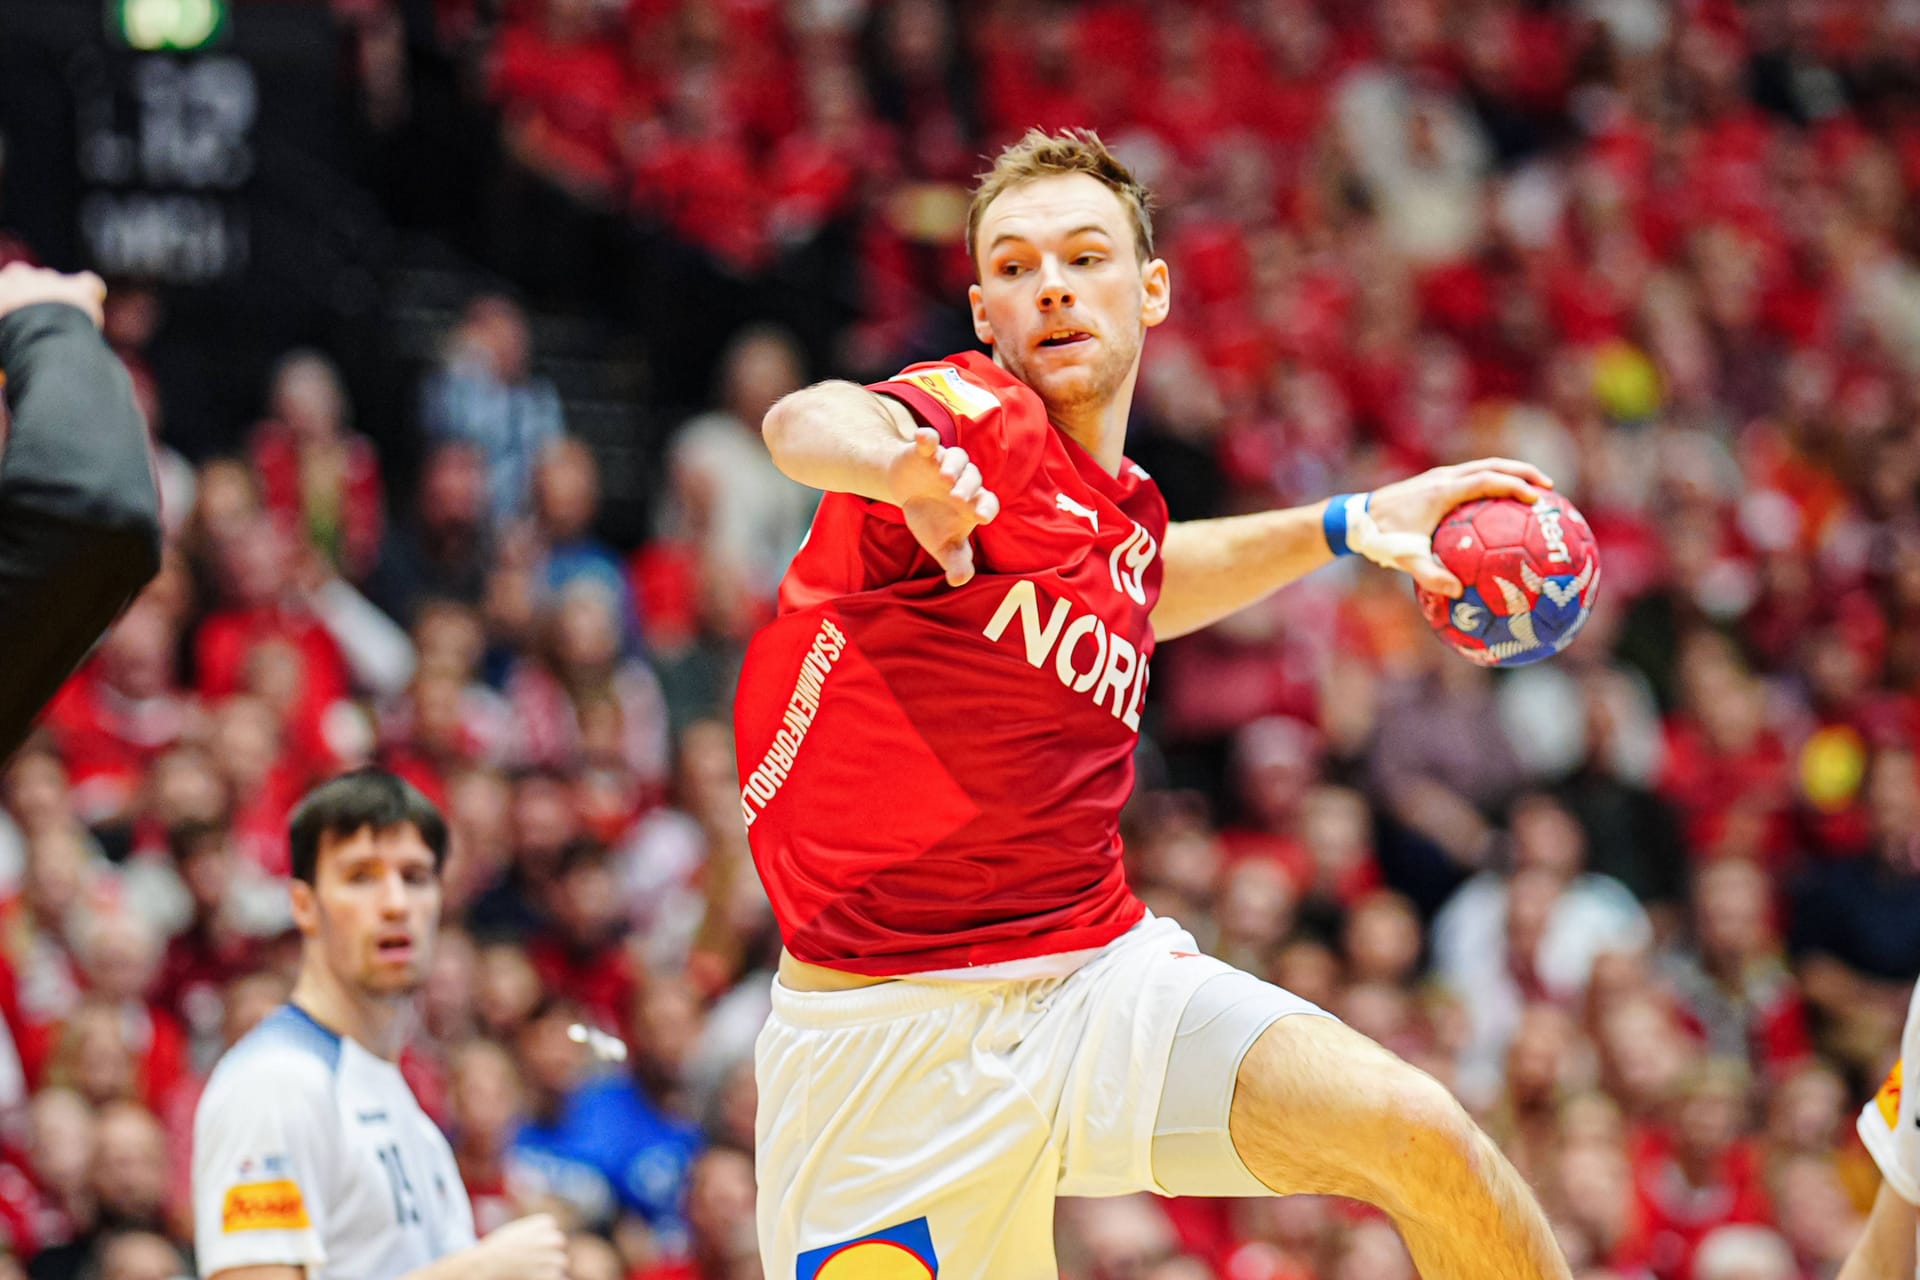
{"x": 347, "y": 522}
{"x": 932, "y": 776}
{"x": 109, "y": 742}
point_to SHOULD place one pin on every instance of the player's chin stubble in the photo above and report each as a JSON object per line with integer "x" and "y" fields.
{"x": 1079, "y": 385}
{"x": 380, "y": 979}
{"x": 392, "y": 985}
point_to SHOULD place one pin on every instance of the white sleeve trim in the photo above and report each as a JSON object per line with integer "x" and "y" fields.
{"x": 260, "y": 1249}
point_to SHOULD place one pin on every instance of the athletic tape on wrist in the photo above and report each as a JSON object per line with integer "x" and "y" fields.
{"x": 1339, "y": 511}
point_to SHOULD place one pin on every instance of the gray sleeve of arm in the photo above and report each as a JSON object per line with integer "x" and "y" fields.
{"x": 79, "y": 508}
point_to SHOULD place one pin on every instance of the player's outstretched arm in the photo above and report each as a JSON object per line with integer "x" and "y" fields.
{"x": 842, "y": 438}
{"x": 1214, "y": 568}
{"x": 1319, "y": 1108}
{"x": 1885, "y": 1250}
{"x": 838, "y": 437}
{"x": 79, "y": 511}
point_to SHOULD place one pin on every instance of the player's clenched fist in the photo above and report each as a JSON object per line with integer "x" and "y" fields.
{"x": 530, "y": 1248}
{"x": 23, "y": 286}
{"x": 940, "y": 492}
{"x": 1405, "y": 513}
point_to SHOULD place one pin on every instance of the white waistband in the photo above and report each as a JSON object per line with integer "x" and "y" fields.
{"x": 923, "y": 992}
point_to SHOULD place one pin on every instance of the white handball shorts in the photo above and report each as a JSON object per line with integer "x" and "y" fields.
{"x": 923, "y": 1128}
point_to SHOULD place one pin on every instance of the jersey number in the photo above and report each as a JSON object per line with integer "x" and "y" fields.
{"x": 1129, "y": 562}
{"x": 406, "y": 1204}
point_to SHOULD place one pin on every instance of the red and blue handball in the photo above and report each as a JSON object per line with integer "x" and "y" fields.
{"x": 1531, "y": 574}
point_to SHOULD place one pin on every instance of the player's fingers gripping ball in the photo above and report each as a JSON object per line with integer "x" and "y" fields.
{"x": 1531, "y": 574}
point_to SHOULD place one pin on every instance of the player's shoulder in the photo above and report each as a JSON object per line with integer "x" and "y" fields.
{"x": 1882, "y": 1124}
{"x": 1143, "y": 501}
{"x": 1880, "y": 1117}
{"x": 288, "y": 1053}
{"x": 966, "y": 386}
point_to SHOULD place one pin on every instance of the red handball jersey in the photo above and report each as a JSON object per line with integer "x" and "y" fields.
{"x": 932, "y": 776}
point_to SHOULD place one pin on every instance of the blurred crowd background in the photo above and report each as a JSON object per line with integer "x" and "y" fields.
{"x": 494, "y": 511}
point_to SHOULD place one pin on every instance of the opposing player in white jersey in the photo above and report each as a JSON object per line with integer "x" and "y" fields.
{"x": 1889, "y": 1249}
{"x": 312, "y": 1160}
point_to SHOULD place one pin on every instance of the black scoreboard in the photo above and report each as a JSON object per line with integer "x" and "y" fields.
{"x": 164, "y": 145}
{"x": 201, "y": 146}
{"x": 169, "y": 139}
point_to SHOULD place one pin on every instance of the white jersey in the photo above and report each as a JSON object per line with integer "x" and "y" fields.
{"x": 311, "y": 1151}
{"x": 1890, "y": 1123}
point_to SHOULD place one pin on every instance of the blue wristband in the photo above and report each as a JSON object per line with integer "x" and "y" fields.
{"x": 1334, "y": 522}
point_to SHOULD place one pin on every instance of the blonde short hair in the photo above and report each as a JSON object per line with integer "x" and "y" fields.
{"x": 1045, "y": 155}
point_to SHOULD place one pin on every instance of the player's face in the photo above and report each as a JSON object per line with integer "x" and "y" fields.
{"x": 1063, "y": 296}
{"x": 373, "y": 909}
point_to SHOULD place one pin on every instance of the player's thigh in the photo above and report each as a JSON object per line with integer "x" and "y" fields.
{"x": 1155, "y": 1033}
{"x": 899, "y": 1149}
{"x": 1216, "y": 1043}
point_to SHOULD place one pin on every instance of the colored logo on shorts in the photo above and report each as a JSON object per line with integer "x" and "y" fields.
{"x": 1888, "y": 1099}
{"x": 263, "y": 1206}
{"x": 904, "y": 1252}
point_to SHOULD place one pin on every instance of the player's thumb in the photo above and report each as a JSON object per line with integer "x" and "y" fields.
{"x": 1434, "y": 576}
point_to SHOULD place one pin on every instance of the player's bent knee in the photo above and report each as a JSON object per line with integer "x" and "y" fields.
{"x": 1297, "y": 1058}
{"x": 1320, "y": 1108}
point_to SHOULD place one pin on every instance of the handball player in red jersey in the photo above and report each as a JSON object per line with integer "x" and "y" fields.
{"x": 974, "y": 1013}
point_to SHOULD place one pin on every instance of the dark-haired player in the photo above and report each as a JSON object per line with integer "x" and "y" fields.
{"x": 975, "y": 1013}
{"x": 79, "y": 510}
{"x": 311, "y": 1157}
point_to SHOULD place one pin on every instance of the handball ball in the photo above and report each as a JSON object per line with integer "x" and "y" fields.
{"x": 1530, "y": 572}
